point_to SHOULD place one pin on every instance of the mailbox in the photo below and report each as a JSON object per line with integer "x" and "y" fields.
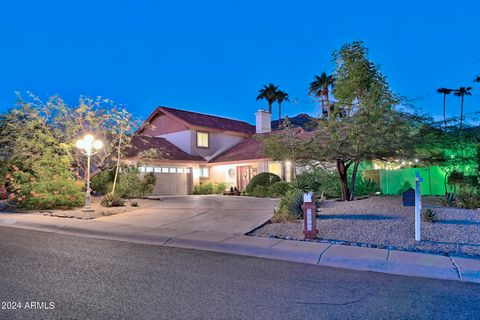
{"x": 408, "y": 198}
{"x": 309, "y": 216}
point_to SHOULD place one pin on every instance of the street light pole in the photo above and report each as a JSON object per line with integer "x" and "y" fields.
{"x": 87, "y": 144}
{"x": 88, "y": 193}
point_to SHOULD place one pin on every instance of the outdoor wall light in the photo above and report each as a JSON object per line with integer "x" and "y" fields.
{"x": 88, "y": 145}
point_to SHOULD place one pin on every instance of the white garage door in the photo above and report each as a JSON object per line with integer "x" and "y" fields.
{"x": 171, "y": 180}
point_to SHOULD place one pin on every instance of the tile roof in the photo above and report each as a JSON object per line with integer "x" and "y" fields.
{"x": 248, "y": 149}
{"x": 164, "y": 150}
{"x": 251, "y": 148}
{"x": 209, "y": 121}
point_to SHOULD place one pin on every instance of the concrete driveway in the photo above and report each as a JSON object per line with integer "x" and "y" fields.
{"x": 232, "y": 215}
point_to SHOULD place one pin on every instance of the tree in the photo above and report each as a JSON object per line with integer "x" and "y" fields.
{"x": 364, "y": 124}
{"x": 444, "y": 91}
{"x": 286, "y": 144}
{"x": 121, "y": 134}
{"x": 269, "y": 93}
{"x": 462, "y": 92}
{"x": 319, "y": 88}
{"x": 281, "y": 96}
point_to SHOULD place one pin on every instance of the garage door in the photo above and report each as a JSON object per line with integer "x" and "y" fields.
{"x": 171, "y": 180}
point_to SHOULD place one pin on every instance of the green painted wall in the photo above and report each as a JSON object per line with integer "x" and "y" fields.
{"x": 433, "y": 180}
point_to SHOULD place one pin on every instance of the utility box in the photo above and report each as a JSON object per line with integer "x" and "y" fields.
{"x": 408, "y": 198}
{"x": 309, "y": 216}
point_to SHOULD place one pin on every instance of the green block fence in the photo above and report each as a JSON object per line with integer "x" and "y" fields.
{"x": 433, "y": 180}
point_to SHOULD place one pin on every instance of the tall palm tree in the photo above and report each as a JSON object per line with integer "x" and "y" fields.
{"x": 319, "y": 88}
{"x": 281, "y": 96}
{"x": 269, "y": 93}
{"x": 462, "y": 92}
{"x": 444, "y": 91}
{"x": 477, "y": 79}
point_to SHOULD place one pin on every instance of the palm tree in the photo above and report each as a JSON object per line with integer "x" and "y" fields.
{"x": 268, "y": 93}
{"x": 477, "y": 79}
{"x": 462, "y": 92}
{"x": 319, "y": 88}
{"x": 444, "y": 91}
{"x": 281, "y": 96}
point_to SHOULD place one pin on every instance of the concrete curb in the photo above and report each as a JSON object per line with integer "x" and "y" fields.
{"x": 323, "y": 254}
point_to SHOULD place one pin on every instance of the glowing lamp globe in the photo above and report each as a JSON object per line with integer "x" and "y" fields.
{"x": 80, "y": 144}
{"x": 88, "y": 138}
{"x": 97, "y": 144}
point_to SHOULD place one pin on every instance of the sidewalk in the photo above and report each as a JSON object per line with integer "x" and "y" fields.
{"x": 323, "y": 254}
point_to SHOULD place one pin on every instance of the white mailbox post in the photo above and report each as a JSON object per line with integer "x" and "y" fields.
{"x": 418, "y": 205}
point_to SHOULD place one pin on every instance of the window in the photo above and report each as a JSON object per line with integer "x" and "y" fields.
{"x": 164, "y": 170}
{"x": 173, "y": 170}
{"x": 187, "y": 170}
{"x": 203, "y": 172}
{"x": 149, "y": 169}
{"x": 141, "y": 169}
{"x": 202, "y": 139}
{"x": 179, "y": 170}
{"x": 157, "y": 169}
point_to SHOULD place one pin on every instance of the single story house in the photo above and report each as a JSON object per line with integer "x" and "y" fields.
{"x": 184, "y": 148}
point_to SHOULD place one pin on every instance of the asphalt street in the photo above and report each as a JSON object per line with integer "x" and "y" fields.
{"x": 51, "y": 276}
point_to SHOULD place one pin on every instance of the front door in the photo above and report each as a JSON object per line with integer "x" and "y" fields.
{"x": 243, "y": 176}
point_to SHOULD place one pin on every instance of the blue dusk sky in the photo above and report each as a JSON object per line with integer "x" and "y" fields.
{"x": 213, "y": 56}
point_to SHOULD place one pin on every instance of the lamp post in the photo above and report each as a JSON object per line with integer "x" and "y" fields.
{"x": 87, "y": 145}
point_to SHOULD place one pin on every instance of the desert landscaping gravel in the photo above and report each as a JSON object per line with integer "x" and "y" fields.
{"x": 383, "y": 222}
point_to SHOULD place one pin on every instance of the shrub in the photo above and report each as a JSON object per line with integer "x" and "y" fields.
{"x": 279, "y": 189}
{"x": 262, "y": 179}
{"x": 220, "y": 187}
{"x": 428, "y": 215}
{"x": 131, "y": 185}
{"x": 468, "y": 199}
{"x": 449, "y": 200}
{"x": 282, "y": 215}
{"x": 320, "y": 180}
{"x": 292, "y": 203}
{"x": 210, "y": 188}
{"x": 3, "y": 192}
{"x": 366, "y": 187}
{"x": 25, "y": 191}
{"x": 112, "y": 200}
{"x": 260, "y": 191}
{"x": 102, "y": 182}
{"x": 148, "y": 184}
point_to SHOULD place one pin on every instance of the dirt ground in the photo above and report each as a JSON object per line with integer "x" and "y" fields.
{"x": 382, "y": 221}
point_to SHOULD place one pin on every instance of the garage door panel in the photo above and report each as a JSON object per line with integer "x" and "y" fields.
{"x": 172, "y": 183}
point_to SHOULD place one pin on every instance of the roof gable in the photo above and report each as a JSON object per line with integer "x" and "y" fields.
{"x": 200, "y": 120}
{"x": 162, "y": 149}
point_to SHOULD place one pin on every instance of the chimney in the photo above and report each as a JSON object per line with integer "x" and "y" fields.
{"x": 263, "y": 121}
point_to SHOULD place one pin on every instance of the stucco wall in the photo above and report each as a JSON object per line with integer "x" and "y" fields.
{"x": 218, "y": 143}
{"x": 181, "y": 139}
{"x": 163, "y": 124}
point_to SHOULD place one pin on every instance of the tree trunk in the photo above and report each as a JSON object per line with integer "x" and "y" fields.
{"x": 353, "y": 181}
{"x": 445, "y": 111}
{"x": 279, "y": 114}
{"x": 270, "y": 107}
{"x": 327, "y": 102}
{"x": 461, "y": 113}
{"x": 118, "y": 165}
{"x": 342, "y": 173}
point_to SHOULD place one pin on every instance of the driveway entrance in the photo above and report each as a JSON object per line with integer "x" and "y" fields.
{"x": 225, "y": 214}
